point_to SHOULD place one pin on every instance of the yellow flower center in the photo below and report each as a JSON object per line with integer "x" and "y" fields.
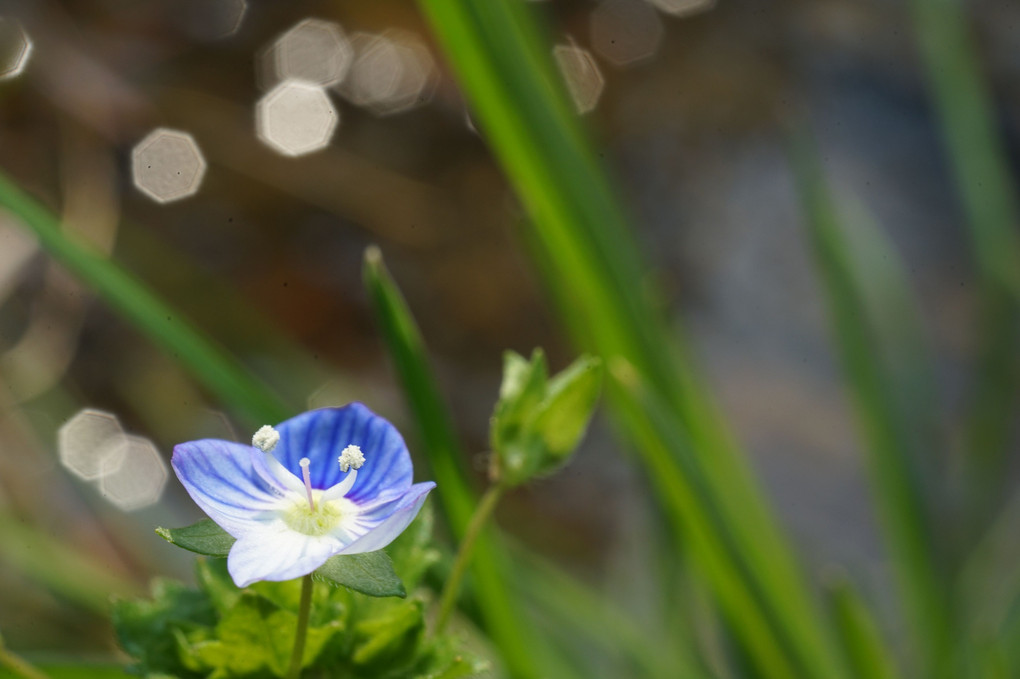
{"x": 319, "y": 521}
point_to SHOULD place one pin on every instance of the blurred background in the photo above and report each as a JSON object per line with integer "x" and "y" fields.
{"x": 172, "y": 136}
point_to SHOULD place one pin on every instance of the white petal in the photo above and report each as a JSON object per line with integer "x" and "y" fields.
{"x": 278, "y": 553}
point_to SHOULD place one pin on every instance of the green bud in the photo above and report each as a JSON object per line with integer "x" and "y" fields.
{"x": 538, "y": 422}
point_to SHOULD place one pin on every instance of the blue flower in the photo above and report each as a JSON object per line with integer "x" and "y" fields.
{"x": 327, "y": 482}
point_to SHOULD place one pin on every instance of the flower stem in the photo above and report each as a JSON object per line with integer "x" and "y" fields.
{"x": 19, "y": 666}
{"x": 304, "y": 610}
{"x": 474, "y": 528}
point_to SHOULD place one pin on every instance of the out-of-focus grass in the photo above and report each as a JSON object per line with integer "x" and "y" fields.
{"x": 214, "y": 368}
{"x": 858, "y": 327}
{"x": 863, "y": 643}
{"x": 490, "y": 567}
{"x": 504, "y": 65}
{"x": 987, "y": 191}
{"x": 548, "y": 589}
{"x": 61, "y": 569}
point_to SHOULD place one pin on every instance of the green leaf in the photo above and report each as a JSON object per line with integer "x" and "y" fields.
{"x": 145, "y": 628}
{"x": 204, "y": 537}
{"x": 567, "y": 408}
{"x": 370, "y": 573}
{"x": 390, "y": 639}
{"x": 257, "y": 635}
{"x": 214, "y": 579}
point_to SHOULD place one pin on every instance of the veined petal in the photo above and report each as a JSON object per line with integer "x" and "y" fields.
{"x": 384, "y": 521}
{"x": 221, "y": 478}
{"x": 321, "y": 435}
{"x": 275, "y": 552}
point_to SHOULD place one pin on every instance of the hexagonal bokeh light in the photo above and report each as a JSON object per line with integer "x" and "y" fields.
{"x": 313, "y": 50}
{"x": 296, "y": 118}
{"x": 167, "y": 165}
{"x": 138, "y": 477}
{"x": 683, "y": 7}
{"x": 15, "y": 48}
{"x": 392, "y": 73}
{"x": 582, "y": 75}
{"x": 625, "y": 31}
{"x": 89, "y": 443}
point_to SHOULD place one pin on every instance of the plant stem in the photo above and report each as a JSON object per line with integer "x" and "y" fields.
{"x": 19, "y": 666}
{"x": 304, "y": 609}
{"x": 474, "y": 528}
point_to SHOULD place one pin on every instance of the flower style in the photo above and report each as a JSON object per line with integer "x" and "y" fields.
{"x": 327, "y": 482}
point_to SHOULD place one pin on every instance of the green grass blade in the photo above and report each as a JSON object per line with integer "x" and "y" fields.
{"x": 987, "y": 189}
{"x": 550, "y": 588}
{"x": 569, "y": 604}
{"x": 489, "y": 565}
{"x": 592, "y": 265}
{"x": 909, "y": 533}
{"x": 862, "y": 639}
{"x": 60, "y": 569}
{"x": 685, "y": 496}
{"x": 215, "y": 369}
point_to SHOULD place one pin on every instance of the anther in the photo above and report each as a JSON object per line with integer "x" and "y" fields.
{"x": 305, "y": 463}
{"x": 266, "y": 438}
{"x": 351, "y": 457}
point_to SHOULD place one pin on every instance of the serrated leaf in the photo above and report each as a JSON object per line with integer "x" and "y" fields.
{"x": 145, "y": 627}
{"x": 215, "y": 581}
{"x": 567, "y": 408}
{"x": 203, "y": 537}
{"x": 257, "y": 635}
{"x": 390, "y": 639}
{"x": 370, "y": 573}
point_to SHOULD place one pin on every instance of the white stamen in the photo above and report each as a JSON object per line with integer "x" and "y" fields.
{"x": 266, "y": 438}
{"x": 305, "y": 463}
{"x": 351, "y": 457}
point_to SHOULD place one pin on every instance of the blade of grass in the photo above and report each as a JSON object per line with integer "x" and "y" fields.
{"x": 489, "y": 565}
{"x": 407, "y": 350}
{"x": 684, "y": 495}
{"x": 909, "y": 535}
{"x": 215, "y": 369}
{"x": 988, "y": 588}
{"x": 987, "y": 189}
{"x": 571, "y": 604}
{"x": 59, "y": 568}
{"x": 862, "y": 639}
{"x": 591, "y": 262}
